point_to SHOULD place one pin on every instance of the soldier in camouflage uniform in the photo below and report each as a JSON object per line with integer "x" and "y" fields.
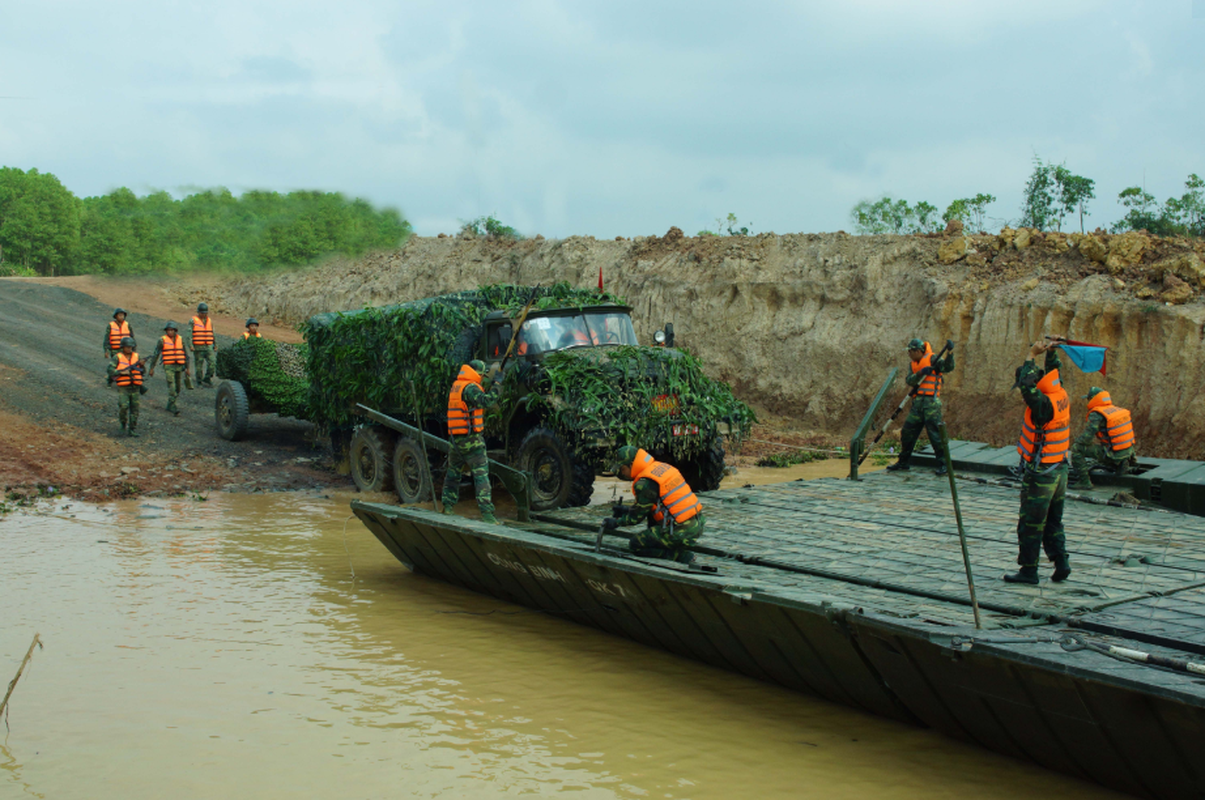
{"x": 174, "y": 354}
{"x": 1107, "y": 441}
{"x": 1045, "y": 440}
{"x": 925, "y": 413}
{"x": 125, "y": 369}
{"x": 674, "y": 515}
{"x": 204, "y": 345}
{"x": 466, "y": 403}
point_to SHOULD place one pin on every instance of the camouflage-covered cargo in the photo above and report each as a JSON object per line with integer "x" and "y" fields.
{"x": 577, "y": 385}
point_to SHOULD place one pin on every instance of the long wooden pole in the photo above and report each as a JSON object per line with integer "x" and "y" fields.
{"x": 37, "y": 642}
{"x": 962, "y": 537}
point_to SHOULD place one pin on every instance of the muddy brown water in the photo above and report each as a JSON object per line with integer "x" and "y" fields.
{"x": 263, "y": 646}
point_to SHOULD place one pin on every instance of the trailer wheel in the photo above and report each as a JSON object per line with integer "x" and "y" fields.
{"x": 559, "y": 478}
{"x": 369, "y": 457}
{"x": 230, "y": 410}
{"x": 707, "y": 470}
{"x": 411, "y": 473}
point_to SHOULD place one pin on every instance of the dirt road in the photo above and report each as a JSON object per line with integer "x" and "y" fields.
{"x": 59, "y": 417}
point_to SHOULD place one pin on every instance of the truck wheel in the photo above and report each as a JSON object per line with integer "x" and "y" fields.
{"x": 371, "y": 469}
{"x": 707, "y": 470}
{"x": 230, "y": 410}
{"x": 411, "y": 479}
{"x": 559, "y": 478}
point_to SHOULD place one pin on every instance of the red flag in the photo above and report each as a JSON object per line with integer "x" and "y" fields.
{"x": 600, "y": 279}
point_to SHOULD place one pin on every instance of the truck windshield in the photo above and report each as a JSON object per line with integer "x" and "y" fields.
{"x": 545, "y": 334}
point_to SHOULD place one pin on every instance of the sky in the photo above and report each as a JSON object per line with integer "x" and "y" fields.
{"x": 607, "y": 119}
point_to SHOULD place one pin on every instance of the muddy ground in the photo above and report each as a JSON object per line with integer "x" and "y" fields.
{"x": 58, "y": 420}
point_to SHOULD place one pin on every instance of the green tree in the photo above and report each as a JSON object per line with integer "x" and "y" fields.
{"x": 887, "y": 215}
{"x": 1188, "y": 210}
{"x": 490, "y": 227}
{"x": 1142, "y": 212}
{"x": 1038, "y": 209}
{"x": 970, "y": 211}
{"x": 39, "y": 222}
{"x": 1074, "y": 192}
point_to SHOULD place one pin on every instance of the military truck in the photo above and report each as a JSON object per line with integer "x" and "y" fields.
{"x": 577, "y": 385}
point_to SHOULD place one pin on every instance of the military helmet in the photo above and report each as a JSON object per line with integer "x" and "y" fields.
{"x": 117, "y": 311}
{"x": 171, "y": 326}
{"x": 916, "y": 344}
{"x": 1093, "y": 392}
{"x": 202, "y": 308}
{"x": 478, "y": 366}
{"x": 624, "y": 456}
{"x": 251, "y": 321}
{"x": 126, "y": 341}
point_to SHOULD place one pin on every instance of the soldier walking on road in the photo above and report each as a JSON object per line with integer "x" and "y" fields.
{"x": 674, "y": 515}
{"x": 204, "y": 346}
{"x": 125, "y": 369}
{"x": 115, "y": 331}
{"x": 1045, "y": 440}
{"x": 1107, "y": 441}
{"x": 466, "y": 421}
{"x": 173, "y": 354}
{"x": 925, "y": 413}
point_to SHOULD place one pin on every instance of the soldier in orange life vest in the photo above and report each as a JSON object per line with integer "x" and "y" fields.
{"x": 1044, "y": 445}
{"x": 925, "y": 413}
{"x": 466, "y": 422}
{"x": 125, "y": 369}
{"x": 173, "y": 354}
{"x": 115, "y": 331}
{"x": 674, "y": 515}
{"x": 204, "y": 346}
{"x": 252, "y": 329}
{"x": 1107, "y": 441}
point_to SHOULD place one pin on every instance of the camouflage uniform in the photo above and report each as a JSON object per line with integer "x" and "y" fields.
{"x": 658, "y": 539}
{"x": 1087, "y": 451}
{"x": 1043, "y": 491}
{"x": 127, "y": 399}
{"x": 175, "y": 373}
{"x": 469, "y": 450}
{"x": 925, "y": 413}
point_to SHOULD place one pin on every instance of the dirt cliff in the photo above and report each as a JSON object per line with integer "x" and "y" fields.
{"x": 808, "y": 325}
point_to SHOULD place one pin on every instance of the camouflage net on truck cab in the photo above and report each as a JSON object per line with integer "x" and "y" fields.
{"x": 273, "y": 372}
{"x": 374, "y": 356}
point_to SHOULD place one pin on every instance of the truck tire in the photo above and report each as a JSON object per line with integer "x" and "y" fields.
{"x": 559, "y": 478}
{"x": 230, "y": 410}
{"x": 411, "y": 474}
{"x": 370, "y": 458}
{"x": 707, "y": 470}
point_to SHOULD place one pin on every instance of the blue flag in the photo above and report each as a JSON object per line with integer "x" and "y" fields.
{"x": 1089, "y": 358}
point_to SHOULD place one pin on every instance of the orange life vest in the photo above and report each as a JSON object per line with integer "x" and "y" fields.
{"x": 173, "y": 351}
{"x": 1051, "y": 443}
{"x": 458, "y": 411}
{"x": 117, "y": 332}
{"x": 131, "y": 377}
{"x": 930, "y": 385}
{"x": 249, "y": 334}
{"x": 1119, "y": 432}
{"x": 676, "y": 496}
{"x": 202, "y": 332}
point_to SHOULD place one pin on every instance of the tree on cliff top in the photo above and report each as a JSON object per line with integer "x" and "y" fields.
{"x": 886, "y": 215}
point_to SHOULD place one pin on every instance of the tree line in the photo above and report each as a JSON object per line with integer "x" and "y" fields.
{"x": 1052, "y": 194}
{"x": 46, "y": 230}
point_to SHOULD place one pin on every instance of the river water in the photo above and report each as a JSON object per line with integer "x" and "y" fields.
{"x": 264, "y": 646}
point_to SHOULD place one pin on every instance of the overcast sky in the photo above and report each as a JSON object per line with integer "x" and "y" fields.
{"x": 607, "y": 118}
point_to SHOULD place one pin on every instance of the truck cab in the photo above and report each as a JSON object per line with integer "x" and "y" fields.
{"x": 560, "y": 329}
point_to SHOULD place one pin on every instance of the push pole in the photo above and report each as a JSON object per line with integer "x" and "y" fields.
{"x": 962, "y": 537}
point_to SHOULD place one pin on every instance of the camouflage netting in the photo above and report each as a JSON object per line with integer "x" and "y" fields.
{"x": 386, "y": 357}
{"x": 636, "y": 395}
{"x": 273, "y": 372}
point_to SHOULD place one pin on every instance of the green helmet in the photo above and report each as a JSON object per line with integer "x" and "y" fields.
{"x": 171, "y": 326}
{"x": 624, "y": 457}
{"x": 117, "y": 311}
{"x": 126, "y": 341}
{"x": 251, "y": 321}
{"x": 478, "y": 366}
{"x": 202, "y": 308}
{"x": 1093, "y": 392}
{"x": 916, "y": 344}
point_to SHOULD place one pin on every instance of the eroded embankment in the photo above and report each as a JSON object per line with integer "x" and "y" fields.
{"x": 808, "y": 325}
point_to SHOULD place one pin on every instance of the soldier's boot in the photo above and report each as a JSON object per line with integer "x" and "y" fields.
{"x": 1123, "y": 468}
{"x": 1079, "y": 480}
{"x": 1027, "y": 575}
{"x": 941, "y": 465}
{"x": 1062, "y": 569}
{"x": 902, "y": 464}
{"x": 684, "y": 557}
{"x": 490, "y": 518}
